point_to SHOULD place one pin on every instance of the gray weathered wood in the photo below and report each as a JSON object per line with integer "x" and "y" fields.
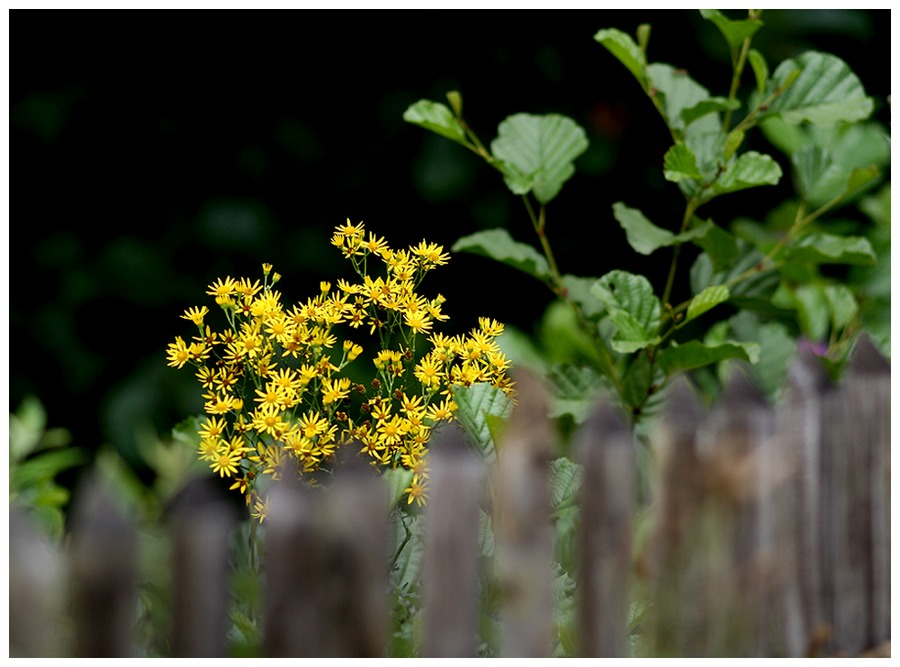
{"x": 200, "y": 529}
{"x": 523, "y": 536}
{"x": 451, "y": 563}
{"x": 606, "y": 451}
{"x": 36, "y": 591}
{"x": 104, "y": 575}
{"x": 326, "y": 568}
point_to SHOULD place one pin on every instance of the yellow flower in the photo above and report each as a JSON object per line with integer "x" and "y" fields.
{"x": 222, "y": 289}
{"x": 212, "y": 429}
{"x": 178, "y": 353}
{"x": 196, "y": 315}
{"x": 490, "y": 327}
{"x": 335, "y": 390}
{"x": 416, "y": 491}
{"x": 225, "y": 462}
{"x": 267, "y": 419}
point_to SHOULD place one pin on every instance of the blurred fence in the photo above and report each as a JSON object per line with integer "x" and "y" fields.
{"x": 769, "y": 535}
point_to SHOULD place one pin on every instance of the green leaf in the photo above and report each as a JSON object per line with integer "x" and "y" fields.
{"x": 436, "y": 117}
{"x": 709, "y": 298}
{"x": 564, "y": 481}
{"x": 476, "y": 405}
{"x": 824, "y": 92}
{"x": 776, "y": 349}
{"x": 643, "y": 235}
{"x": 842, "y": 305}
{"x": 695, "y": 354}
{"x": 719, "y": 245}
{"x": 397, "y": 481}
{"x": 815, "y": 172}
{"x": 735, "y": 32}
{"x": 678, "y": 92}
{"x": 750, "y": 170}
{"x": 575, "y": 390}
{"x": 824, "y": 248}
{"x": 626, "y": 50}
{"x": 760, "y": 69}
{"x": 633, "y": 308}
{"x": 708, "y": 106}
{"x": 500, "y": 246}
{"x": 537, "y": 153}
{"x": 680, "y": 163}
{"x": 578, "y": 290}
{"x": 732, "y": 142}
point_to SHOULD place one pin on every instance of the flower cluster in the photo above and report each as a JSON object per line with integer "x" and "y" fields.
{"x": 282, "y": 386}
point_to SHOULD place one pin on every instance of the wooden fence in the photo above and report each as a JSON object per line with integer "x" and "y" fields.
{"x": 769, "y": 535}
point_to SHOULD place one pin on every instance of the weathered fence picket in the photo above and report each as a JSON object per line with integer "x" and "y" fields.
{"x": 768, "y": 535}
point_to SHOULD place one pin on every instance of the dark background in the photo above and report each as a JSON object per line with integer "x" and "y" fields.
{"x": 154, "y": 151}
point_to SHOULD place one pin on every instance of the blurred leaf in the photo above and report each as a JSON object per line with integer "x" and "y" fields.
{"x": 760, "y": 69}
{"x": 500, "y": 246}
{"x": 678, "y": 93}
{"x": 476, "y": 405}
{"x": 776, "y": 349}
{"x": 565, "y": 481}
{"x": 709, "y": 298}
{"x": 397, "y": 481}
{"x": 708, "y": 106}
{"x": 735, "y": 32}
{"x": 695, "y": 354}
{"x": 537, "y": 153}
{"x": 436, "y": 117}
{"x": 624, "y": 48}
{"x": 578, "y": 290}
{"x": 575, "y": 390}
{"x": 824, "y": 248}
{"x": 824, "y": 92}
{"x": 44, "y": 467}
{"x": 842, "y": 305}
{"x": 719, "y": 245}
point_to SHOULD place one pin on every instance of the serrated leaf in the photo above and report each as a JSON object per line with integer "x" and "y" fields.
{"x": 750, "y": 170}
{"x": 476, "y": 405}
{"x": 437, "y": 118}
{"x": 824, "y": 91}
{"x": 709, "y": 298}
{"x": 631, "y": 335}
{"x": 824, "y": 248}
{"x": 499, "y": 245}
{"x": 760, "y": 69}
{"x": 564, "y": 481}
{"x": 575, "y": 390}
{"x": 537, "y": 153}
{"x": 735, "y": 32}
{"x": 695, "y": 354}
{"x": 633, "y": 309}
{"x": 624, "y": 48}
{"x": 620, "y": 290}
{"x": 679, "y": 163}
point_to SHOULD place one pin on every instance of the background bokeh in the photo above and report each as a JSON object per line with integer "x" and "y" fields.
{"x": 154, "y": 151}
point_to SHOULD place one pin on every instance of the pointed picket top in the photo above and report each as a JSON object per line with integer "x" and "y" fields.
{"x": 867, "y": 360}
{"x": 807, "y": 375}
{"x": 740, "y": 392}
{"x": 683, "y": 410}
